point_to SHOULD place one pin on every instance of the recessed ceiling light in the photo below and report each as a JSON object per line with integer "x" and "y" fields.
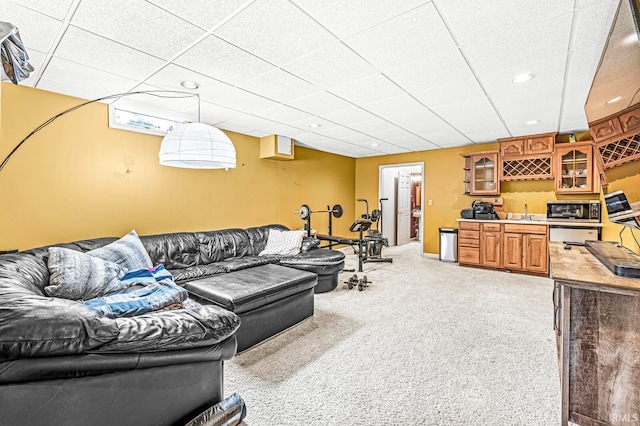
{"x": 374, "y": 144}
{"x": 614, "y": 100}
{"x": 531, "y": 122}
{"x": 188, "y": 84}
{"x": 315, "y": 125}
{"x": 522, "y": 78}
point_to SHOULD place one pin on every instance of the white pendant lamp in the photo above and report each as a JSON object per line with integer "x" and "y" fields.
{"x": 197, "y": 146}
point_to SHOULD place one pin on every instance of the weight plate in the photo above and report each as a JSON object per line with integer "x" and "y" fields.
{"x": 337, "y": 211}
{"x": 304, "y": 212}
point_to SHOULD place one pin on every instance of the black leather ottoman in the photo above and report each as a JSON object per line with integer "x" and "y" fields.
{"x": 326, "y": 263}
{"x": 268, "y": 298}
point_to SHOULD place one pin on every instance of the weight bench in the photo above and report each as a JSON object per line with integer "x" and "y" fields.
{"x": 360, "y": 226}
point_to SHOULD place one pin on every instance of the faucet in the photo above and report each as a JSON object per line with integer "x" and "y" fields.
{"x": 526, "y": 212}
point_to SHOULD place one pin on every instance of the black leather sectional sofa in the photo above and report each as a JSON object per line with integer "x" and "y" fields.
{"x": 61, "y": 364}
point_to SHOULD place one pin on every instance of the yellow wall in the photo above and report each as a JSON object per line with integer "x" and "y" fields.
{"x": 443, "y": 183}
{"x": 70, "y": 180}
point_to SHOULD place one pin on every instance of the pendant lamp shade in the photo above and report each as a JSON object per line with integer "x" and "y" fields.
{"x": 197, "y": 146}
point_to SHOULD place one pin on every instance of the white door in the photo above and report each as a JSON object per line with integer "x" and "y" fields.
{"x": 404, "y": 207}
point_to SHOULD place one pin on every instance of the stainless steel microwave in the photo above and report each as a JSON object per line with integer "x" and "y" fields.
{"x": 574, "y": 210}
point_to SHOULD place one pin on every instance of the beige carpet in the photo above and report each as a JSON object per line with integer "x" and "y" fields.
{"x": 428, "y": 343}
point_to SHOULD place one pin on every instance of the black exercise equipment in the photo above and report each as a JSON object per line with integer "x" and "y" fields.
{"x": 375, "y": 240}
{"x": 355, "y": 282}
{"x": 305, "y": 214}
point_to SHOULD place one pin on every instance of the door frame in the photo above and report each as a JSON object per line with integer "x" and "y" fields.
{"x": 381, "y": 182}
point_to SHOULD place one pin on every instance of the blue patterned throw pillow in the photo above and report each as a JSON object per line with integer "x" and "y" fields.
{"x": 78, "y": 276}
{"x": 128, "y": 252}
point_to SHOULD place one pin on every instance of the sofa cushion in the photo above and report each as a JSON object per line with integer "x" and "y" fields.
{"x": 76, "y": 275}
{"x": 283, "y": 242}
{"x": 240, "y": 263}
{"x": 249, "y": 289}
{"x": 128, "y": 252}
{"x": 29, "y": 273}
{"x": 176, "y": 250}
{"x": 320, "y": 261}
{"x": 223, "y": 244}
{"x": 198, "y": 271}
{"x": 177, "y": 329}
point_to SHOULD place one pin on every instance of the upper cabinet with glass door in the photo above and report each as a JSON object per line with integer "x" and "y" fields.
{"x": 483, "y": 176}
{"x": 574, "y": 172}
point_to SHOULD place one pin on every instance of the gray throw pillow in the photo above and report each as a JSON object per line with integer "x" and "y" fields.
{"x": 128, "y": 252}
{"x": 77, "y": 276}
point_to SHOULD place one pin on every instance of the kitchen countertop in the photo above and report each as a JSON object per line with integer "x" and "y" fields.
{"x": 540, "y": 222}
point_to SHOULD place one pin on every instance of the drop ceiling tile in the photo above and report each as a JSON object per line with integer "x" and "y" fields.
{"x": 304, "y": 123}
{"x": 320, "y": 103}
{"x": 279, "y": 85}
{"x": 403, "y": 104}
{"x": 212, "y": 113}
{"x": 391, "y": 134}
{"x": 421, "y": 75}
{"x": 359, "y": 91}
{"x": 250, "y": 122}
{"x": 548, "y": 72}
{"x": 527, "y": 97}
{"x": 37, "y": 31}
{"x": 460, "y": 91}
{"x": 470, "y": 21}
{"x": 371, "y": 126}
{"x": 344, "y": 18}
{"x": 56, "y": 9}
{"x": 331, "y": 66}
{"x": 495, "y": 52}
{"x": 285, "y": 130}
{"x": 220, "y": 60}
{"x": 314, "y": 138}
{"x": 337, "y": 132}
{"x": 154, "y": 30}
{"x": 593, "y": 24}
{"x": 349, "y": 116}
{"x": 275, "y": 30}
{"x": 242, "y": 100}
{"x": 77, "y": 80}
{"x": 443, "y": 135}
{"x": 235, "y": 129}
{"x": 171, "y": 75}
{"x": 583, "y": 63}
{"x": 359, "y": 139}
{"x": 204, "y": 13}
{"x": 486, "y": 136}
{"x": 544, "y": 108}
{"x": 416, "y": 119}
{"x": 283, "y": 114}
{"x": 452, "y": 142}
{"x": 258, "y": 133}
{"x": 406, "y": 139}
{"x": 388, "y": 148}
{"x": 470, "y": 113}
{"x": 399, "y": 41}
{"x": 101, "y": 53}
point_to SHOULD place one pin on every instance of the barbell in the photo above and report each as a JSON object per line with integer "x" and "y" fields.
{"x": 305, "y": 211}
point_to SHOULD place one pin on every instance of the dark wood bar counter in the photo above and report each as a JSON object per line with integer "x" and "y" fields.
{"x": 597, "y": 324}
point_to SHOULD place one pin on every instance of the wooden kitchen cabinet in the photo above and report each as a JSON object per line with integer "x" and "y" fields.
{"x": 525, "y": 248}
{"x": 481, "y": 173}
{"x": 536, "y": 253}
{"x": 527, "y": 157}
{"x": 574, "y": 168}
{"x": 469, "y": 243}
{"x": 490, "y": 245}
{"x": 512, "y": 251}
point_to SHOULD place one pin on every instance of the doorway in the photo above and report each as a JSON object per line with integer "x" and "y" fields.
{"x": 402, "y": 212}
